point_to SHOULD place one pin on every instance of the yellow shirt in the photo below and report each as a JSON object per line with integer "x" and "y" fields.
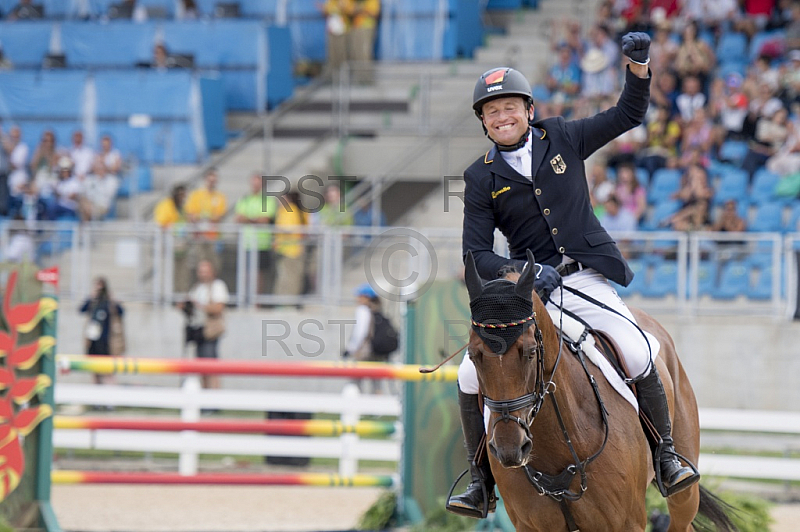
{"x": 289, "y": 244}
{"x": 207, "y": 206}
{"x": 355, "y": 13}
{"x": 166, "y": 214}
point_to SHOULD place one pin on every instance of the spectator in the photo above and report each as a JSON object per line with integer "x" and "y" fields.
{"x": 17, "y": 159}
{"x": 67, "y": 192}
{"x": 630, "y": 194}
{"x": 624, "y": 149}
{"x": 793, "y": 28}
{"x": 663, "y": 135}
{"x": 764, "y": 72}
{"x": 771, "y": 133}
{"x": 205, "y": 312}
{"x": 25, "y": 10}
{"x": 615, "y": 218}
{"x": 112, "y": 158}
{"x": 763, "y": 104}
{"x": 104, "y": 333}
{"x": 187, "y": 10}
{"x": 364, "y": 17}
{"x": 29, "y": 205}
{"x": 664, "y": 92}
{"x": 43, "y": 163}
{"x": 729, "y": 219}
{"x": 334, "y": 212}
{"x": 161, "y": 58}
{"x": 600, "y": 187}
{"x": 289, "y": 246}
{"x": 337, "y": 28}
{"x": 21, "y": 247}
{"x": 663, "y": 50}
{"x": 691, "y": 98}
{"x": 731, "y": 106}
{"x": 597, "y": 75}
{"x": 82, "y": 156}
{"x": 786, "y": 160}
{"x": 257, "y": 212}
{"x": 100, "y": 192}
{"x": 564, "y": 77}
{"x": 695, "y": 57}
{"x": 700, "y": 134}
{"x": 169, "y": 211}
{"x": 695, "y": 196}
{"x": 204, "y": 209}
{"x": 169, "y": 214}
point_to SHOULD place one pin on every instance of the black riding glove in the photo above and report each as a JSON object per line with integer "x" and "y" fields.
{"x": 547, "y": 280}
{"x": 636, "y": 46}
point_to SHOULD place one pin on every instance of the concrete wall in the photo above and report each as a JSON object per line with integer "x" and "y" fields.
{"x": 733, "y": 362}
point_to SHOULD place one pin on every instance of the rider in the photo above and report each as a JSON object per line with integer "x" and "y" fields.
{"x": 532, "y": 186}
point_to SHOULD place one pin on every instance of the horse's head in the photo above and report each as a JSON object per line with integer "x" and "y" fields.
{"x": 507, "y": 349}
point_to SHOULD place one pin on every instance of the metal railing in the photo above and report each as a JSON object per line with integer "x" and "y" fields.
{"x": 687, "y": 273}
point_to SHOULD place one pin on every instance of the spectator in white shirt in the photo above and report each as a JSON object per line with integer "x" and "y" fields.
{"x": 81, "y": 155}
{"x": 18, "y": 159}
{"x": 691, "y": 99}
{"x": 111, "y": 156}
{"x": 100, "y": 191}
{"x": 68, "y": 191}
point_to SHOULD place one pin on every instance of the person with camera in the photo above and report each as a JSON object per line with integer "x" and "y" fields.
{"x": 104, "y": 333}
{"x": 204, "y": 311}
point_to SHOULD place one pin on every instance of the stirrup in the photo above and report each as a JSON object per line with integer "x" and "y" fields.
{"x": 489, "y": 501}
{"x": 683, "y": 484}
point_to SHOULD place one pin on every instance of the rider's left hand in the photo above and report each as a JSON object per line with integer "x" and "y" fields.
{"x": 547, "y": 280}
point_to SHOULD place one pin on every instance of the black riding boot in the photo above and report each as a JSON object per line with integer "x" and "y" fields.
{"x": 471, "y": 502}
{"x": 675, "y": 476}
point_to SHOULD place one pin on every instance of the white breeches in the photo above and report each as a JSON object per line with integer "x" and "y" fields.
{"x": 631, "y": 343}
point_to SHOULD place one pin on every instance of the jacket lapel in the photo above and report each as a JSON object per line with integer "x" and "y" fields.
{"x": 499, "y": 166}
{"x": 540, "y": 145}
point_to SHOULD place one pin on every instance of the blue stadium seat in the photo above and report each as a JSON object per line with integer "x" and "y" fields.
{"x": 706, "y": 277}
{"x": 732, "y": 185}
{"x": 121, "y": 44}
{"x": 25, "y": 43}
{"x": 54, "y": 94}
{"x": 717, "y": 168}
{"x": 734, "y": 281}
{"x": 663, "y": 282}
{"x": 762, "y": 287}
{"x": 763, "y": 187}
{"x": 732, "y": 47}
{"x": 660, "y": 213}
{"x": 666, "y": 181}
{"x": 768, "y": 217}
{"x": 732, "y": 67}
{"x": 733, "y": 151}
{"x": 793, "y": 224}
{"x": 417, "y": 30}
{"x": 217, "y": 43}
{"x": 639, "y": 279}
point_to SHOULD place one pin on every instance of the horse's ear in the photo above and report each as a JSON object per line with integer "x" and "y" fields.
{"x": 473, "y": 280}
{"x": 525, "y": 282}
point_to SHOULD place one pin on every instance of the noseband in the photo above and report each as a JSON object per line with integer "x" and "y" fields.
{"x": 533, "y": 400}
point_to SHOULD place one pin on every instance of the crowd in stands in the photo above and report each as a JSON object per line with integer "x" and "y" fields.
{"x": 724, "y": 118}
{"x": 73, "y": 182}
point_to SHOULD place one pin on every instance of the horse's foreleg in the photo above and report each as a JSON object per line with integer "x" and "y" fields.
{"x": 683, "y": 509}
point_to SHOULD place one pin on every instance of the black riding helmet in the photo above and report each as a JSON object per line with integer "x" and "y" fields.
{"x": 501, "y": 83}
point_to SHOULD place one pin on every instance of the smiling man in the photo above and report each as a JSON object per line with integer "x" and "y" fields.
{"x": 532, "y": 186}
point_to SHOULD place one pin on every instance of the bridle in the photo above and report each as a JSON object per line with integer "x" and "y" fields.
{"x": 532, "y": 401}
{"x": 554, "y": 486}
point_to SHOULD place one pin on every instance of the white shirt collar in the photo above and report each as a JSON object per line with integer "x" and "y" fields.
{"x": 521, "y": 159}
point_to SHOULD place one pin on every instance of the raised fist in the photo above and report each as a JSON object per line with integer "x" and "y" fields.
{"x": 636, "y": 46}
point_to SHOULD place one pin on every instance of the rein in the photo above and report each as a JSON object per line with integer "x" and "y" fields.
{"x": 557, "y": 486}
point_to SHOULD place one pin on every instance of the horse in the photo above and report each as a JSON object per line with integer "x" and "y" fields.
{"x": 555, "y": 430}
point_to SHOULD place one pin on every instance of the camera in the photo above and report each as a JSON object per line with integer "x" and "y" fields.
{"x": 188, "y": 309}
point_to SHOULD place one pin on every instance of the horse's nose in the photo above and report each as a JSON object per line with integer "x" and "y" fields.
{"x": 511, "y": 456}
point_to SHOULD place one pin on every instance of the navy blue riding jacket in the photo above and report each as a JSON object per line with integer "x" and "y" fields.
{"x": 552, "y": 214}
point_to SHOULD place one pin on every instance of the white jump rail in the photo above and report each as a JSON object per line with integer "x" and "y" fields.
{"x": 751, "y": 422}
{"x": 190, "y": 398}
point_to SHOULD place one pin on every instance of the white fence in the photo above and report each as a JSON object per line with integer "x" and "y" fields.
{"x": 190, "y": 399}
{"x": 746, "y": 435}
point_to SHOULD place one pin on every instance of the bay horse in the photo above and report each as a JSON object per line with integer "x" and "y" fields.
{"x": 555, "y": 430}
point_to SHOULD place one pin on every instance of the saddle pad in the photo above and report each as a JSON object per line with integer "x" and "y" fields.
{"x": 574, "y": 329}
